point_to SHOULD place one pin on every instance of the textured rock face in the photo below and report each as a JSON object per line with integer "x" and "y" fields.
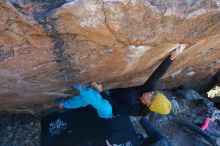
{"x": 46, "y": 45}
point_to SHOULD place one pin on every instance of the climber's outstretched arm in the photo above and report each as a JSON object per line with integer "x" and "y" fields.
{"x": 151, "y": 82}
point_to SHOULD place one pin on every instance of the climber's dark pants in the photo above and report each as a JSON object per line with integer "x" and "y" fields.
{"x": 153, "y": 134}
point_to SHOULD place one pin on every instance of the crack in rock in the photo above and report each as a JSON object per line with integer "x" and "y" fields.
{"x": 107, "y": 25}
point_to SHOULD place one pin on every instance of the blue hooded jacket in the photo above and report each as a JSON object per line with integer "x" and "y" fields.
{"x": 89, "y": 96}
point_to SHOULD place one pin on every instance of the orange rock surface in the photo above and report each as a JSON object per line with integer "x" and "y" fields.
{"x": 46, "y": 46}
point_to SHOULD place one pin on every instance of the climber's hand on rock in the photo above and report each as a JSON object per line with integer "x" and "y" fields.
{"x": 59, "y": 103}
{"x": 97, "y": 86}
{"x": 60, "y": 106}
{"x": 176, "y": 52}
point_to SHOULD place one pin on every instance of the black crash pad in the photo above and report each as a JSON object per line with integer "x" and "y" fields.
{"x": 83, "y": 127}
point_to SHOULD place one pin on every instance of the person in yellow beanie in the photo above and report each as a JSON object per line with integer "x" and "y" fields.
{"x": 160, "y": 104}
{"x": 137, "y": 101}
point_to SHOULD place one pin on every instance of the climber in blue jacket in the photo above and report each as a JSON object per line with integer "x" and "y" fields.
{"x": 88, "y": 96}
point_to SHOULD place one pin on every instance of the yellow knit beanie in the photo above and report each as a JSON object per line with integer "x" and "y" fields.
{"x": 160, "y": 104}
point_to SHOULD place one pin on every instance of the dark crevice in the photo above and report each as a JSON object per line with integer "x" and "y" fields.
{"x": 45, "y": 5}
{"x": 65, "y": 70}
{"x": 4, "y": 55}
{"x": 43, "y": 17}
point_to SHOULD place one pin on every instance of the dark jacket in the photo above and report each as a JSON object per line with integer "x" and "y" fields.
{"x": 125, "y": 101}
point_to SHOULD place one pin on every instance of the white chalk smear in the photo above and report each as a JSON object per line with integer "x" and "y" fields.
{"x": 190, "y": 73}
{"x": 135, "y": 53}
{"x": 173, "y": 75}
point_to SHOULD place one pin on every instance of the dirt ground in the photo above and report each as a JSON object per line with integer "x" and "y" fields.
{"x": 19, "y": 130}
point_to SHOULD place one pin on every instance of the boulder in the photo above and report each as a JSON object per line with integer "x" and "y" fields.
{"x": 46, "y": 46}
